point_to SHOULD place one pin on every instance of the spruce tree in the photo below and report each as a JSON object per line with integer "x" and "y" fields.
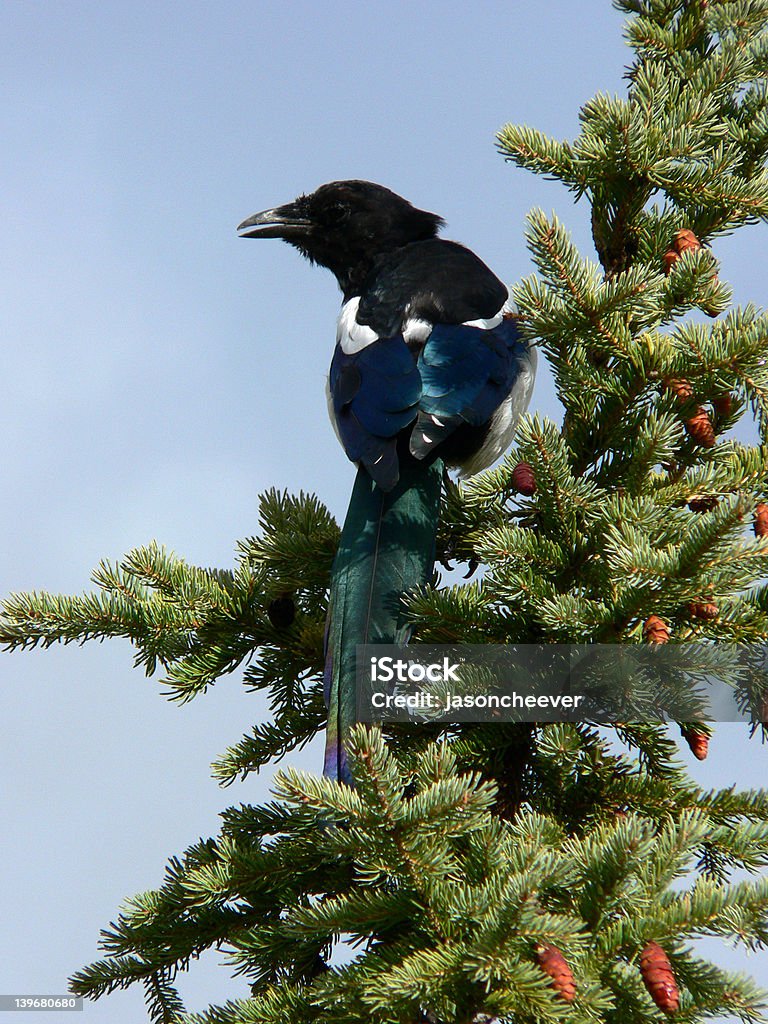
{"x": 529, "y": 873}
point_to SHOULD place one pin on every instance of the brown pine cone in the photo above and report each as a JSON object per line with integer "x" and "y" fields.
{"x": 703, "y": 502}
{"x": 703, "y": 610}
{"x": 553, "y": 963}
{"x": 523, "y": 479}
{"x": 655, "y": 630}
{"x": 684, "y": 240}
{"x": 697, "y": 740}
{"x": 659, "y": 978}
{"x": 680, "y": 388}
{"x": 681, "y": 241}
{"x": 699, "y": 427}
{"x": 760, "y": 525}
{"x": 723, "y": 403}
{"x": 670, "y": 259}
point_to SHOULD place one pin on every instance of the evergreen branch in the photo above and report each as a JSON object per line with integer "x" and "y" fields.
{"x": 163, "y": 1001}
{"x": 273, "y": 1006}
{"x": 105, "y": 976}
{"x": 292, "y": 729}
{"x": 737, "y": 911}
{"x": 534, "y": 151}
{"x": 577, "y": 281}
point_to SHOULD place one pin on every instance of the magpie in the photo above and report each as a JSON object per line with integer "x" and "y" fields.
{"x": 429, "y": 370}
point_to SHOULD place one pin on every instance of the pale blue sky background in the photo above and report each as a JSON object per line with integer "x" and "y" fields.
{"x": 158, "y": 372}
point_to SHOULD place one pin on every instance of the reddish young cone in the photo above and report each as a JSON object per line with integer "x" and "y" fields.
{"x": 523, "y": 479}
{"x": 703, "y": 610}
{"x": 655, "y": 630}
{"x": 684, "y": 240}
{"x": 659, "y": 978}
{"x": 699, "y": 427}
{"x": 760, "y": 525}
{"x": 697, "y": 740}
{"x": 553, "y": 963}
{"x": 680, "y": 388}
{"x": 703, "y": 502}
{"x": 670, "y": 259}
{"x": 723, "y": 403}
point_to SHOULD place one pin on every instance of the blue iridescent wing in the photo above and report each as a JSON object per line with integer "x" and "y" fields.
{"x": 466, "y": 374}
{"x": 374, "y": 395}
{"x": 460, "y": 379}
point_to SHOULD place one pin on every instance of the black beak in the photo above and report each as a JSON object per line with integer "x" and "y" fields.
{"x": 281, "y": 222}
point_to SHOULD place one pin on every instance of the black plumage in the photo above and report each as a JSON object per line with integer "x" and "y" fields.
{"x": 428, "y": 369}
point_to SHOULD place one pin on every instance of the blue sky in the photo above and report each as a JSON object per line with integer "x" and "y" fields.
{"x": 159, "y": 372}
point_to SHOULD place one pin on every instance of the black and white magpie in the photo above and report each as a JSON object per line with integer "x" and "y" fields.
{"x": 429, "y": 370}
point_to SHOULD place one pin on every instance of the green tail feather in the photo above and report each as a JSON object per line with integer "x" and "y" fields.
{"x": 387, "y": 547}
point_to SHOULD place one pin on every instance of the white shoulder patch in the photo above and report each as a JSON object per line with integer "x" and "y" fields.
{"x": 352, "y": 336}
{"x": 484, "y": 325}
{"x": 416, "y": 330}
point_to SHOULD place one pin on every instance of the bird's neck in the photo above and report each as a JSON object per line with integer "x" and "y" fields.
{"x": 352, "y": 277}
{"x": 355, "y": 276}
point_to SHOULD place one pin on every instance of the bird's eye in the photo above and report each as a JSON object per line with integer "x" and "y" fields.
{"x": 336, "y": 212}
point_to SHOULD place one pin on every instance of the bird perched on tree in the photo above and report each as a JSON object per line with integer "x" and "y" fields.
{"x": 429, "y": 370}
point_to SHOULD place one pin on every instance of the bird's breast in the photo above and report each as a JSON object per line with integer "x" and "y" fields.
{"x": 350, "y": 335}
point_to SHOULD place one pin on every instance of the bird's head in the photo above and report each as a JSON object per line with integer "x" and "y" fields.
{"x": 345, "y": 226}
